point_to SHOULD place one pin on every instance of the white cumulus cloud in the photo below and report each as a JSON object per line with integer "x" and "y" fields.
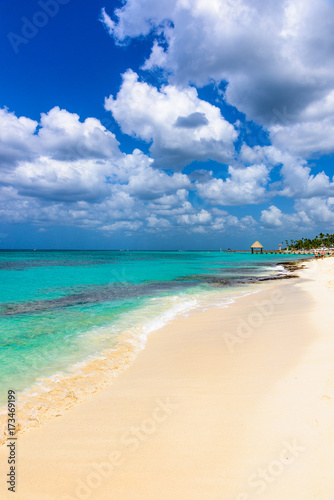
{"x": 272, "y": 54}
{"x": 180, "y": 127}
{"x": 243, "y": 186}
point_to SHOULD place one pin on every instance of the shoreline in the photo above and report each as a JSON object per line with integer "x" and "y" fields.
{"x": 212, "y": 400}
{"x": 52, "y": 396}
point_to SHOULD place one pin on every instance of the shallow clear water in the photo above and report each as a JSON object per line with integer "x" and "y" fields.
{"x": 59, "y": 307}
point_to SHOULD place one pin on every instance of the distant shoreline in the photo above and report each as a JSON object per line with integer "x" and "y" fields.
{"x": 288, "y": 252}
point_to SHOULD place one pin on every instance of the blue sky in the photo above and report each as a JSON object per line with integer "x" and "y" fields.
{"x": 165, "y": 125}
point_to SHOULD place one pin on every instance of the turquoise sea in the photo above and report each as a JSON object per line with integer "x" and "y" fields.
{"x": 58, "y": 308}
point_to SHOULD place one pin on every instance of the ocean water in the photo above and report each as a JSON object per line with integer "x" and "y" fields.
{"x": 61, "y": 308}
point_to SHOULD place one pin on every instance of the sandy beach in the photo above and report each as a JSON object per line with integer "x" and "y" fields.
{"x": 234, "y": 403}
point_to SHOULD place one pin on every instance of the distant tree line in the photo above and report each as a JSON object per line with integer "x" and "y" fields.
{"x": 323, "y": 240}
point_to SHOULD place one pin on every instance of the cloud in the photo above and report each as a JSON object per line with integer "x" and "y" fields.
{"x": 95, "y": 180}
{"x": 299, "y": 182}
{"x": 275, "y": 60}
{"x": 171, "y": 205}
{"x": 201, "y": 175}
{"x": 59, "y": 159}
{"x": 73, "y": 172}
{"x": 297, "y": 178}
{"x": 244, "y": 186}
{"x": 60, "y": 181}
{"x": 139, "y": 20}
{"x": 17, "y": 138}
{"x": 194, "y": 120}
{"x": 318, "y": 211}
{"x": 64, "y": 137}
{"x": 157, "y": 223}
{"x": 149, "y": 184}
{"x": 214, "y": 220}
{"x": 307, "y": 139}
{"x": 60, "y": 136}
{"x": 274, "y": 218}
{"x": 107, "y": 22}
{"x": 157, "y": 58}
{"x": 200, "y": 218}
{"x": 272, "y": 54}
{"x": 123, "y": 226}
{"x": 66, "y": 171}
{"x": 180, "y": 127}
{"x": 267, "y": 154}
{"x": 120, "y": 213}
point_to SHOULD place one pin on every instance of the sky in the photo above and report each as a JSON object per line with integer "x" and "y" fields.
{"x": 178, "y": 124}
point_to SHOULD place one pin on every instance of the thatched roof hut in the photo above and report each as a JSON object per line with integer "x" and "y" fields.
{"x": 257, "y": 246}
